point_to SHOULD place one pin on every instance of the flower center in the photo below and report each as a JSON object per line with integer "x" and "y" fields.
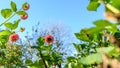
{"x": 49, "y": 39}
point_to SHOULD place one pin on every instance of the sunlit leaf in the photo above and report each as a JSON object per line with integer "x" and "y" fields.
{"x": 13, "y": 6}
{"x": 6, "y": 13}
{"x": 93, "y": 5}
{"x": 21, "y": 13}
{"x": 91, "y": 59}
{"x": 5, "y": 32}
{"x": 11, "y": 25}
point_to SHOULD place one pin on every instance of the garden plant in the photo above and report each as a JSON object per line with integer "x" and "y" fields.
{"x": 99, "y": 45}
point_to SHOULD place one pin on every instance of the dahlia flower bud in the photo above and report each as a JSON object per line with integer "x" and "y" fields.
{"x": 26, "y": 6}
{"x": 22, "y": 29}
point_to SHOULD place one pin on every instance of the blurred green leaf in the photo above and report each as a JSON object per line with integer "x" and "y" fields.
{"x": 73, "y": 65}
{"x": 93, "y": 5}
{"x": 13, "y": 26}
{"x": 91, "y": 59}
{"x": 105, "y": 49}
{"x": 82, "y": 36}
{"x": 21, "y": 13}
{"x": 71, "y": 59}
{"x": 28, "y": 62}
{"x": 6, "y": 13}
{"x": 5, "y": 32}
{"x": 102, "y": 23}
{"x": 40, "y": 41}
{"x": 36, "y": 64}
{"x": 13, "y": 6}
{"x": 77, "y": 47}
{"x": 46, "y": 47}
{"x": 116, "y": 3}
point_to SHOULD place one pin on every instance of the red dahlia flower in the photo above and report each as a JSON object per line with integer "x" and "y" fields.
{"x": 13, "y": 37}
{"x": 49, "y": 39}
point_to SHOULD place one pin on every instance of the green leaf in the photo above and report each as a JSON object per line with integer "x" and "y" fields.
{"x": 82, "y": 36}
{"x": 45, "y": 53}
{"x": 95, "y": 30}
{"x": 71, "y": 59}
{"x": 112, "y": 51}
{"x": 16, "y": 23}
{"x": 36, "y": 64}
{"x": 46, "y": 47}
{"x": 77, "y": 47}
{"x": 12, "y": 26}
{"x": 73, "y": 65}
{"x": 105, "y": 49}
{"x": 21, "y": 13}
{"x": 9, "y": 25}
{"x": 102, "y": 23}
{"x": 13, "y": 6}
{"x": 56, "y": 56}
{"x": 93, "y": 5}
{"x": 40, "y": 41}
{"x": 116, "y": 3}
{"x": 5, "y": 32}
{"x": 28, "y": 62}
{"x": 91, "y": 59}
{"x": 6, "y": 13}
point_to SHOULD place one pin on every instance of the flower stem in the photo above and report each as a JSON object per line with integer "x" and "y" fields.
{"x": 45, "y": 65}
{"x": 9, "y": 18}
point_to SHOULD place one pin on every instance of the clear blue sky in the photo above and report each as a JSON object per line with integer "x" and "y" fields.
{"x": 71, "y": 12}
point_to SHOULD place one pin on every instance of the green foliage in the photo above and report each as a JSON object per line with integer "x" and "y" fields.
{"x": 82, "y": 36}
{"x": 35, "y": 64}
{"x": 5, "y": 32}
{"x": 21, "y": 13}
{"x": 6, "y": 13}
{"x": 116, "y": 4}
{"x": 93, "y": 5}
{"x": 95, "y": 42}
{"x": 12, "y": 26}
{"x": 91, "y": 59}
{"x": 10, "y": 53}
{"x": 13, "y": 6}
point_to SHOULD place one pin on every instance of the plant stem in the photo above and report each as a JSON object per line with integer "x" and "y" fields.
{"x": 9, "y": 18}
{"x": 43, "y": 59}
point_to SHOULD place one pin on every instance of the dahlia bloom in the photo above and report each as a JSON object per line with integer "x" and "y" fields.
{"x": 49, "y": 39}
{"x": 13, "y": 37}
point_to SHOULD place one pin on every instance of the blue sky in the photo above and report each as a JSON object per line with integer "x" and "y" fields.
{"x": 72, "y": 13}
